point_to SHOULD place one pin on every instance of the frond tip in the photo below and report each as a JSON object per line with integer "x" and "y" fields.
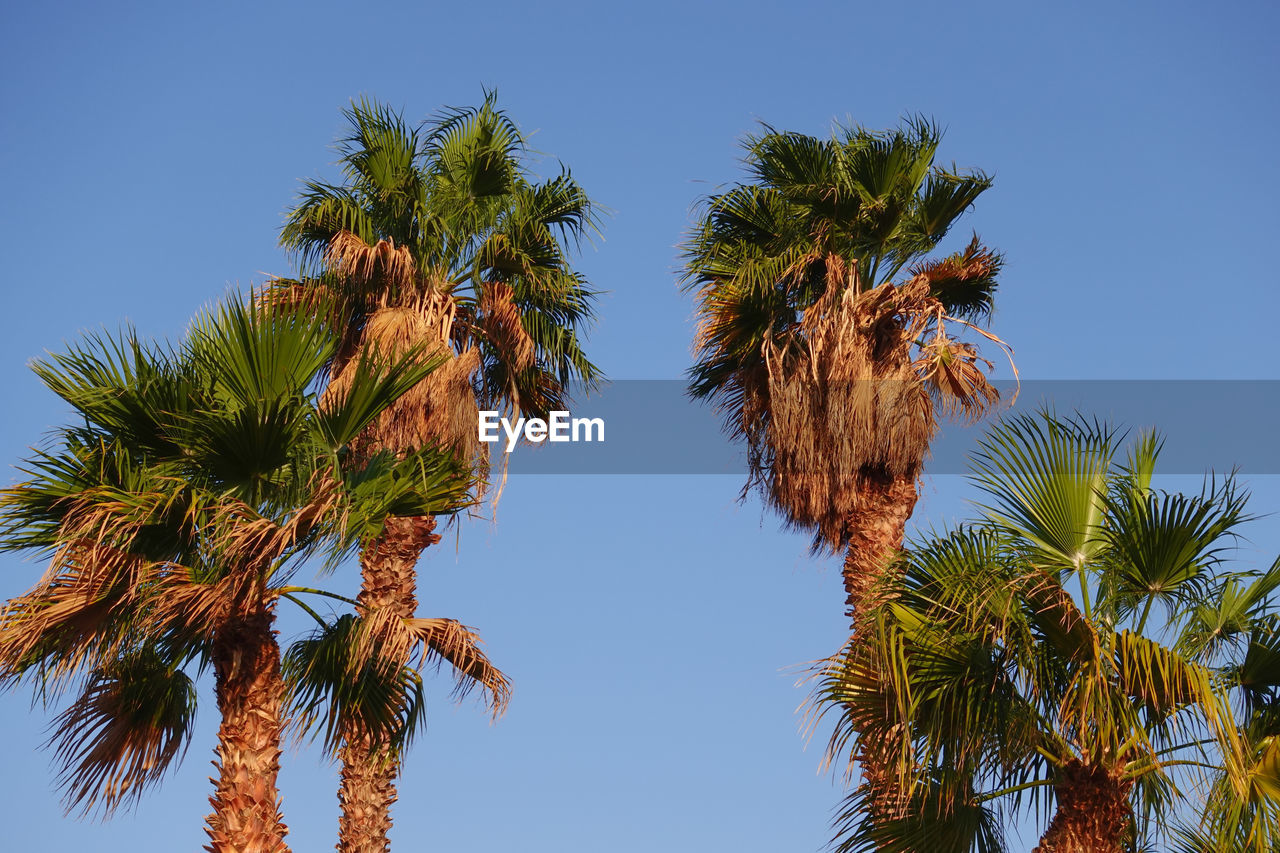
{"x": 131, "y": 722}
{"x": 382, "y": 637}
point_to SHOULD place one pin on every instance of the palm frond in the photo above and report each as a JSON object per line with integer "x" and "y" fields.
{"x": 133, "y": 721}
{"x": 934, "y": 819}
{"x": 1048, "y": 480}
{"x": 386, "y": 637}
{"x": 330, "y": 692}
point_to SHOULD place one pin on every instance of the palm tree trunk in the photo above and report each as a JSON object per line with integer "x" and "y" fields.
{"x": 877, "y": 527}
{"x": 366, "y": 794}
{"x": 246, "y": 802}
{"x": 368, "y": 789}
{"x": 1093, "y": 812}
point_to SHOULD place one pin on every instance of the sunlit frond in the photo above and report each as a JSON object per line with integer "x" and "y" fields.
{"x": 130, "y": 724}
{"x": 1013, "y": 657}
{"x": 383, "y": 636}
{"x": 937, "y": 817}
{"x": 330, "y": 692}
{"x": 1047, "y": 480}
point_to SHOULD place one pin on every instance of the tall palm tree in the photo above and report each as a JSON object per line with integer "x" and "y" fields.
{"x": 176, "y": 511}
{"x": 823, "y": 327}
{"x": 823, "y": 333}
{"x": 1051, "y": 650}
{"x": 437, "y": 237}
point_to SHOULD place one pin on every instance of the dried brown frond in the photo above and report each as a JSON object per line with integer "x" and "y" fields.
{"x": 449, "y": 640}
{"x": 184, "y": 601}
{"x": 842, "y": 402}
{"x": 287, "y": 294}
{"x": 312, "y": 296}
{"x": 870, "y": 696}
{"x": 385, "y": 263}
{"x": 441, "y": 409}
{"x": 499, "y": 319}
{"x": 64, "y": 619}
{"x": 976, "y": 262}
{"x": 241, "y": 537}
{"x": 1056, "y": 614}
{"x": 843, "y": 406}
{"x": 98, "y": 593}
{"x": 951, "y": 371}
{"x": 383, "y": 637}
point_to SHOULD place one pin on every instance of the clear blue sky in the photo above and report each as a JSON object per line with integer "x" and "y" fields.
{"x": 649, "y": 623}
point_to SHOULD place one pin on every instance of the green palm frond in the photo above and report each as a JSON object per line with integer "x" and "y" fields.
{"x": 964, "y": 282}
{"x": 374, "y": 385}
{"x": 429, "y": 481}
{"x": 330, "y": 693}
{"x": 1258, "y": 674}
{"x": 1238, "y": 611}
{"x": 945, "y": 816}
{"x": 249, "y": 356}
{"x": 1164, "y": 682}
{"x": 1048, "y": 482}
{"x": 1165, "y": 545}
{"x": 1243, "y": 808}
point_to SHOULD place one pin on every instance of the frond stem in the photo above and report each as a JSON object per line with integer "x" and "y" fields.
{"x": 1146, "y": 611}
{"x": 1050, "y": 757}
{"x": 305, "y": 608}
{"x": 1135, "y": 772}
{"x": 1084, "y": 589}
{"x": 313, "y": 591}
{"x": 1024, "y": 786}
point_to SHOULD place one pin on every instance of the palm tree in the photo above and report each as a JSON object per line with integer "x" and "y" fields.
{"x": 196, "y": 483}
{"x": 1052, "y": 650}
{"x": 437, "y": 238}
{"x": 334, "y": 688}
{"x": 822, "y": 333}
{"x": 1238, "y": 629}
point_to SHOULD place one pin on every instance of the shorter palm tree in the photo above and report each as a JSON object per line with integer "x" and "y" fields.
{"x": 199, "y": 479}
{"x": 1048, "y": 651}
{"x": 368, "y": 708}
{"x": 1238, "y": 629}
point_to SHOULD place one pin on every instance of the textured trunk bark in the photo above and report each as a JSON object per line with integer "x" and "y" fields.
{"x": 246, "y": 803}
{"x": 1093, "y": 812}
{"x": 387, "y": 567}
{"x": 366, "y": 794}
{"x": 368, "y": 789}
{"x": 877, "y": 527}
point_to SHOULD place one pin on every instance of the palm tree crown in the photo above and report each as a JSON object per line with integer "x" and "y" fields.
{"x": 198, "y": 480}
{"x": 1059, "y": 648}
{"x": 825, "y": 361}
{"x": 439, "y": 233}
